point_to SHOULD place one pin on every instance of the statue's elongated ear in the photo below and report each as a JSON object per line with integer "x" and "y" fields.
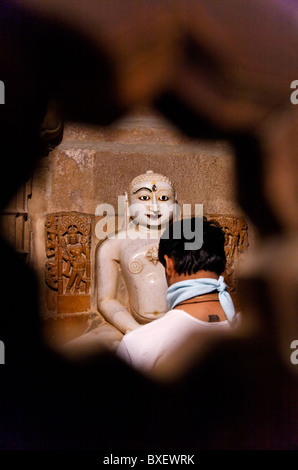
{"x": 127, "y": 208}
{"x": 177, "y": 211}
{"x": 126, "y": 202}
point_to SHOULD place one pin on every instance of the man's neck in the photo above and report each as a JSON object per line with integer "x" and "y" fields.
{"x": 197, "y": 275}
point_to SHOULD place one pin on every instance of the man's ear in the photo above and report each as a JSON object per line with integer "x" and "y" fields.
{"x": 170, "y": 266}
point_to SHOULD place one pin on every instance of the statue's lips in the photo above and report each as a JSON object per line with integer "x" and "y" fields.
{"x": 154, "y": 217}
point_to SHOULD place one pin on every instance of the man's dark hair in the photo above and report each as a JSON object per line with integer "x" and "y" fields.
{"x": 210, "y": 257}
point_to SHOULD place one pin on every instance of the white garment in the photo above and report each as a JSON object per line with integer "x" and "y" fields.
{"x": 144, "y": 346}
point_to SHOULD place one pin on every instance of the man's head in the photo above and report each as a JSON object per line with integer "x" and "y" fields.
{"x": 151, "y": 199}
{"x": 181, "y": 262}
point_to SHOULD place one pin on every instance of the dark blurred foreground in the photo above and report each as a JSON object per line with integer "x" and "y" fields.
{"x": 217, "y": 70}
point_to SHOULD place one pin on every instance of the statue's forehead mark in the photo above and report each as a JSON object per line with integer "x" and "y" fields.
{"x": 148, "y": 189}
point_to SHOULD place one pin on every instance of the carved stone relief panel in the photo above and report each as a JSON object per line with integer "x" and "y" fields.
{"x": 68, "y": 265}
{"x": 236, "y": 235}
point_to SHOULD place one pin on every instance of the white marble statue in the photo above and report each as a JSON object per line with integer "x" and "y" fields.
{"x": 135, "y": 251}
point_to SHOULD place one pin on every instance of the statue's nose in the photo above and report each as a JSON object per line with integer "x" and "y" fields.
{"x": 154, "y": 206}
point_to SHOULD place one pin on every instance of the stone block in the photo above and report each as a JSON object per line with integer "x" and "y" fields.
{"x": 73, "y": 303}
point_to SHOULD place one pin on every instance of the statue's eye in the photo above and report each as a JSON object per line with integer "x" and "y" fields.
{"x": 144, "y": 198}
{"x": 164, "y": 198}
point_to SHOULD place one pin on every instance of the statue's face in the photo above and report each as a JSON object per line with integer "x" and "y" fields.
{"x": 72, "y": 238}
{"x": 155, "y": 200}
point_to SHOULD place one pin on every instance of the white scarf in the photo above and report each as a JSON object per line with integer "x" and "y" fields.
{"x": 188, "y": 289}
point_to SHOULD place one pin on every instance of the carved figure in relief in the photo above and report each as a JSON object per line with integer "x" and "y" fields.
{"x": 135, "y": 251}
{"x": 51, "y": 272}
{"x": 74, "y": 253}
{"x": 236, "y": 242}
{"x": 51, "y": 242}
{"x": 68, "y": 251}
